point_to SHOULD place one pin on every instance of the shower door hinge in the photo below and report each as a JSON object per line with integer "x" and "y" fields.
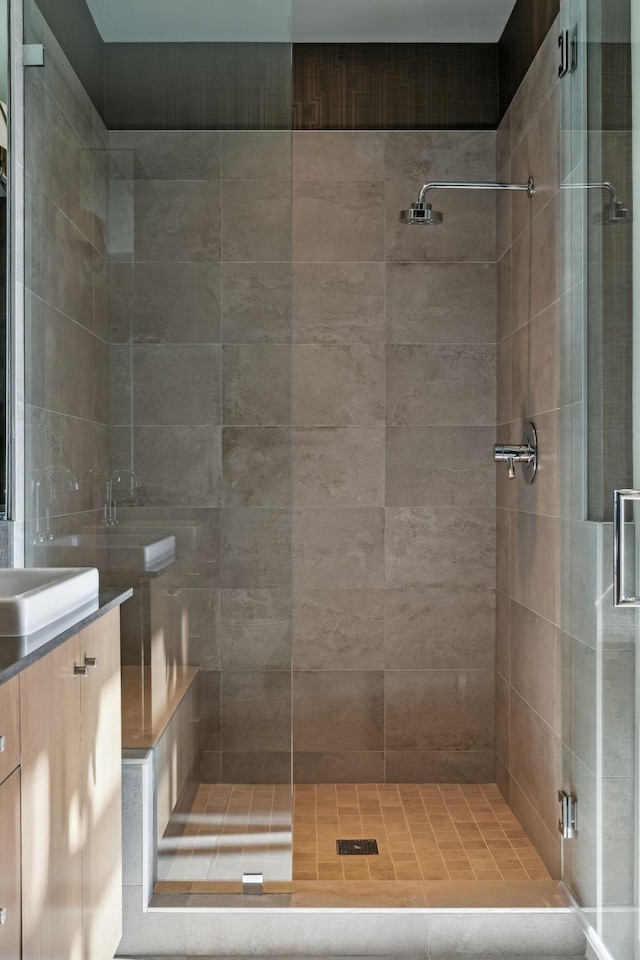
{"x": 568, "y": 814}
{"x": 568, "y": 46}
{"x": 33, "y": 55}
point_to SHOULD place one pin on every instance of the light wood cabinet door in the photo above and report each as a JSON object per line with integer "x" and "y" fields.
{"x": 52, "y": 828}
{"x": 10, "y": 868}
{"x": 101, "y": 788}
{"x": 9, "y": 727}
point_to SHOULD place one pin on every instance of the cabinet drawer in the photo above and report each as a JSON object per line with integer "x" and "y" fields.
{"x": 9, "y": 727}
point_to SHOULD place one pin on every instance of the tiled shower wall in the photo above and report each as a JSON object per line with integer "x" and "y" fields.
{"x": 318, "y": 381}
{"x": 530, "y": 387}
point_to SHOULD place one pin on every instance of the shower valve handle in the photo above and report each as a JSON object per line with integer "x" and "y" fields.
{"x": 525, "y": 453}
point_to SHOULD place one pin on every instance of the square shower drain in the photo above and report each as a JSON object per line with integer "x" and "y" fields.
{"x": 357, "y": 848}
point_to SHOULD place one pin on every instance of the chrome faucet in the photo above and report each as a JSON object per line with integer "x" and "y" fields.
{"x": 525, "y": 453}
{"x": 111, "y": 505}
{"x": 49, "y": 476}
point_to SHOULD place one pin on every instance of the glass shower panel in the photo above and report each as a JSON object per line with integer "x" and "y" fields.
{"x": 201, "y": 414}
{"x": 598, "y": 665}
{"x": 158, "y": 392}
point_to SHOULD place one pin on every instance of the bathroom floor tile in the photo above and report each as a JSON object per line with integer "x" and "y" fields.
{"x": 439, "y": 845}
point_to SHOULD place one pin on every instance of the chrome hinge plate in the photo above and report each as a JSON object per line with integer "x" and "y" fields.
{"x": 253, "y": 884}
{"x": 33, "y": 55}
{"x": 567, "y": 824}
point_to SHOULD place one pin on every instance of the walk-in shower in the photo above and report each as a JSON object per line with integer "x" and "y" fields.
{"x": 421, "y": 213}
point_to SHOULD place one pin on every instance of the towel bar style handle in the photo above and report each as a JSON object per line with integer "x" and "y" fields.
{"x": 620, "y": 500}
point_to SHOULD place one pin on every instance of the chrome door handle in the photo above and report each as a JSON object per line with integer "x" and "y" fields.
{"x": 620, "y": 499}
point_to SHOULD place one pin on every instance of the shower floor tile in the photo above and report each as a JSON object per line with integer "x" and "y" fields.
{"x": 437, "y": 843}
{"x": 424, "y": 831}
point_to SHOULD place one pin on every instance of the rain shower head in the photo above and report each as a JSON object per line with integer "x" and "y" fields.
{"x": 615, "y": 212}
{"x": 612, "y": 212}
{"x": 421, "y": 214}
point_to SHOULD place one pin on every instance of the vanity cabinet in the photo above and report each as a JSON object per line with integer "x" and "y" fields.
{"x": 71, "y": 798}
{"x": 10, "y": 821}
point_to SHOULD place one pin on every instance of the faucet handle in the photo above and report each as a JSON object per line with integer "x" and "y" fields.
{"x": 525, "y": 453}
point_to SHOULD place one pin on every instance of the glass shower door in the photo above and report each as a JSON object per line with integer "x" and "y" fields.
{"x": 597, "y": 358}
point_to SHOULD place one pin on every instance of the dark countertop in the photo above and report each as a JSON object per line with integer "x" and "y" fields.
{"x": 17, "y": 653}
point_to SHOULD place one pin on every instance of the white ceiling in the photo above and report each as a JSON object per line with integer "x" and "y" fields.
{"x": 339, "y": 21}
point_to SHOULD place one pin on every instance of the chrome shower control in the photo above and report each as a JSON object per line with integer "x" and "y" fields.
{"x": 525, "y": 453}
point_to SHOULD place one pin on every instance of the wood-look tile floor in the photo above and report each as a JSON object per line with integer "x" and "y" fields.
{"x": 231, "y": 829}
{"x": 425, "y": 833}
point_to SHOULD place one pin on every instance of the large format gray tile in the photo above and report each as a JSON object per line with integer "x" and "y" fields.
{"x": 256, "y": 547}
{"x": 338, "y": 466}
{"x": 256, "y": 302}
{"x": 537, "y": 154}
{"x": 338, "y": 384}
{"x": 441, "y": 302}
{"x": 256, "y": 155}
{"x": 177, "y": 220}
{"x": 339, "y": 302}
{"x": 256, "y": 384}
{"x": 533, "y": 661}
{"x": 438, "y": 155}
{"x": 210, "y": 709}
{"x": 434, "y": 466}
{"x": 175, "y": 302}
{"x": 69, "y": 169}
{"x": 445, "y": 627}
{"x": 178, "y": 465}
{"x": 534, "y": 282}
{"x": 256, "y": 710}
{"x": 535, "y": 760}
{"x": 439, "y": 710}
{"x": 256, "y": 220}
{"x": 68, "y": 268}
{"x": 264, "y": 766}
{"x": 256, "y": 466}
{"x": 170, "y": 154}
{"x": 534, "y": 370}
{"x": 338, "y": 155}
{"x": 256, "y": 605}
{"x": 338, "y": 630}
{"x": 337, "y": 711}
{"x": 437, "y": 547}
{"x": 70, "y": 357}
{"x": 176, "y": 383}
{"x": 440, "y": 766}
{"x": 345, "y": 766}
{"x": 256, "y": 646}
{"x": 618, "y": 704}
{"x": 503, "y": 721}
{"x": 339, "y": 548}
{"x": 335, "y": 220}
{"x": 534, "y": 563}
{"x": 441, "y": 384}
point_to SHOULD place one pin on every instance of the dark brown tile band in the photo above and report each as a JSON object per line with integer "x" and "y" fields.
{"x": 394, "y": 86}
{"x": 528, "y": 25}
{"x": 198, "y": 86}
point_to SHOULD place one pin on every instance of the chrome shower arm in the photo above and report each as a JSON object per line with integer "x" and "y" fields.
{"x": 605, "y": 185}
{"x": 529, "y": 186}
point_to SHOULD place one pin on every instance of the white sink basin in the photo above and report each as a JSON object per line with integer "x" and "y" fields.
{"x": 126, "y": 550}
{"x": 33, "y": 598}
